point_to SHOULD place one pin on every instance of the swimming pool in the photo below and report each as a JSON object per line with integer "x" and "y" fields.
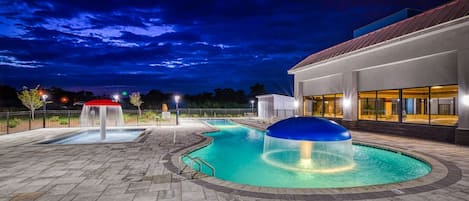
{"x": 236, "y": 153}
{"x": 94, "y": 136}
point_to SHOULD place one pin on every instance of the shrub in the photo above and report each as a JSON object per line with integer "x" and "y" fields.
{"x": 63, "y": 121}
{"x": 54, "y": 118}
{"x": 126, "y": 117}
{"x": 149, "y": 115}
{"x": 12, "y": 123}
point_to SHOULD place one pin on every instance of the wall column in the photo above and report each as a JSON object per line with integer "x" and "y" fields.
{"x": 462, "y": 132}
{"x": 350, "y": 84}
{"x": 299, "y": 97}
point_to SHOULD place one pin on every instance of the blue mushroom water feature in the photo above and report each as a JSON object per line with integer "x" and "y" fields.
{"x": 308, "y": 144}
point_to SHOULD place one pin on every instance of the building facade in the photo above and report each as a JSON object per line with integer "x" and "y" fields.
{"x": 410, "y": 78}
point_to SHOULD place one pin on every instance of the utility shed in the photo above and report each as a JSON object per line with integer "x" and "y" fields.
{"x": 275, "y": 106}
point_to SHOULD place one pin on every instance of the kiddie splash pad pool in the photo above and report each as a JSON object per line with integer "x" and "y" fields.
{"x": 94, "y": 136}
{"x": 238, "y": 154}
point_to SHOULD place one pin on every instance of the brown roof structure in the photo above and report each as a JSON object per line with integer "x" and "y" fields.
{"x": 445, "y": 13}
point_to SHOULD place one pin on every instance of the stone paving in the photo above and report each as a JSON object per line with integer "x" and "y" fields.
{"x": 142, "y": 171}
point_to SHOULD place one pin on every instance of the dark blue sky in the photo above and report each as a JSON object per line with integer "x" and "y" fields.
{"x": 174, "y": 46}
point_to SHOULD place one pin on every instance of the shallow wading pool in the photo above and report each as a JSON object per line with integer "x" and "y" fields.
{"x": 94, "y": 136}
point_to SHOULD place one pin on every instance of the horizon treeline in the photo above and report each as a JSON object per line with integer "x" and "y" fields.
{"x": 153, "y": 99}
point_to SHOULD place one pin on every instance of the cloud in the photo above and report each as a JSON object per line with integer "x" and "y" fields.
{"x": 14, "y": 62}
{"x": 177, "y": 63}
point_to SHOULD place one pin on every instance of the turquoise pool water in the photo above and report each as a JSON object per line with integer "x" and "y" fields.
{"x": 94, "y": 136}
{"x": 236, "y": 154}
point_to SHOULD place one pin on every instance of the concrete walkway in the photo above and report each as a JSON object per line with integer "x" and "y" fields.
{"x": 139, "y": 171}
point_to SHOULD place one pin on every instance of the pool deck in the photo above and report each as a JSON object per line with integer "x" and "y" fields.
{"x": 146, "y": 170}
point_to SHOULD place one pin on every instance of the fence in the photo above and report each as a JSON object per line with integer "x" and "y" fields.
{"x": 12, "y": 122}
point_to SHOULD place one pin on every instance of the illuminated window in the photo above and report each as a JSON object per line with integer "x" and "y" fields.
{"x": 443, "y": 105}
{"x": 307, "y": 105}
{"x": 367, "y": 105}
{"x": 329, "y": 105}
{"x": 339, "y": 98}
{"x": 317, "y": 108}
{"x": 387, "y": 105}
{"x": 415, "y": 105}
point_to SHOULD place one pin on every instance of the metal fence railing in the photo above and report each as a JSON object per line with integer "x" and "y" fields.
{"x": 13, "y": 122}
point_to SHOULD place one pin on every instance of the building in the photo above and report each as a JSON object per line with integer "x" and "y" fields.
{"x": 409, "y": 78}
{"x": 275, "y": 106}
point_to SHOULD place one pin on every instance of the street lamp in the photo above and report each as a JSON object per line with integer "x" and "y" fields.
{"x": 44, "y": 102}
{"x": 115, "y": 97}
{"x": 252, "y": 106}
{"x": 176, "y": 99}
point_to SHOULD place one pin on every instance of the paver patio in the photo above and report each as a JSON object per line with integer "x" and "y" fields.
{"x": 139, "y": 170}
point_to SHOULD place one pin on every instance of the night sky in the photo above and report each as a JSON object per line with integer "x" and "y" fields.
{"x": 174, "y": 46}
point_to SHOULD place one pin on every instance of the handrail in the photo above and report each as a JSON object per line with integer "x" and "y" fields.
{"x": 207, "y": 164}
{"x": 197, "y": 160}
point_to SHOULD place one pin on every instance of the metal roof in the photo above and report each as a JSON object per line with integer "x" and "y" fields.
{"x": 438, "y": 15}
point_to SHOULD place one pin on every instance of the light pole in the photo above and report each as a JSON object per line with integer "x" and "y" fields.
{"x": 44, "y": 102}
{"x": 115, "y": 97}
{"x": 176, "y": 99}
{"x": 252, "y": 106}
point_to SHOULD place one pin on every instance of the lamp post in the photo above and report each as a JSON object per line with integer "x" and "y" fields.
{"x": 115, "y": 97}
{"x": 44, "y": 102}
{"x": 252, "y": 105}
{"x": 176, "y": 99}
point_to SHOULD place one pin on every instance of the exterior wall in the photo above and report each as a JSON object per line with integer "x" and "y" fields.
{"x": 275, "y": 106}
{"x": 438, "y": 55}
{"x": 283, "y": 102}
{"x": 265, "y": 107}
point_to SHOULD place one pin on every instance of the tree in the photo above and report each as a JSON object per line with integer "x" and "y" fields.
{"x": 136, "y": 101}
{"x": 31, "y": 99}
{"x": 8, "y": 97}
{"x": 154, "y": 98}
{"x": 257, "y": 89}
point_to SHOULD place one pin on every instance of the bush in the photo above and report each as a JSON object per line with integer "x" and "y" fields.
{"x": 54, "y": 118}
{"x": 63, "y": 121}
{"x": 126, "y": 117}
{"x": 149, "y": 115}
{"x": 12, "y": 123}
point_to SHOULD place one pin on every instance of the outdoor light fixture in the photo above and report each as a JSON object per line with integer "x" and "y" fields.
{"x": 465, "y": 100}
{"x": 115, "y": 97}
{"x": 296, "y": 104}
{"x": 176, "y": 99}
{"x": 44, "y": 102}
{"x": 347, "y": 102}
{"x": 64, "y": 100}
{"x": 252, "y": 105}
